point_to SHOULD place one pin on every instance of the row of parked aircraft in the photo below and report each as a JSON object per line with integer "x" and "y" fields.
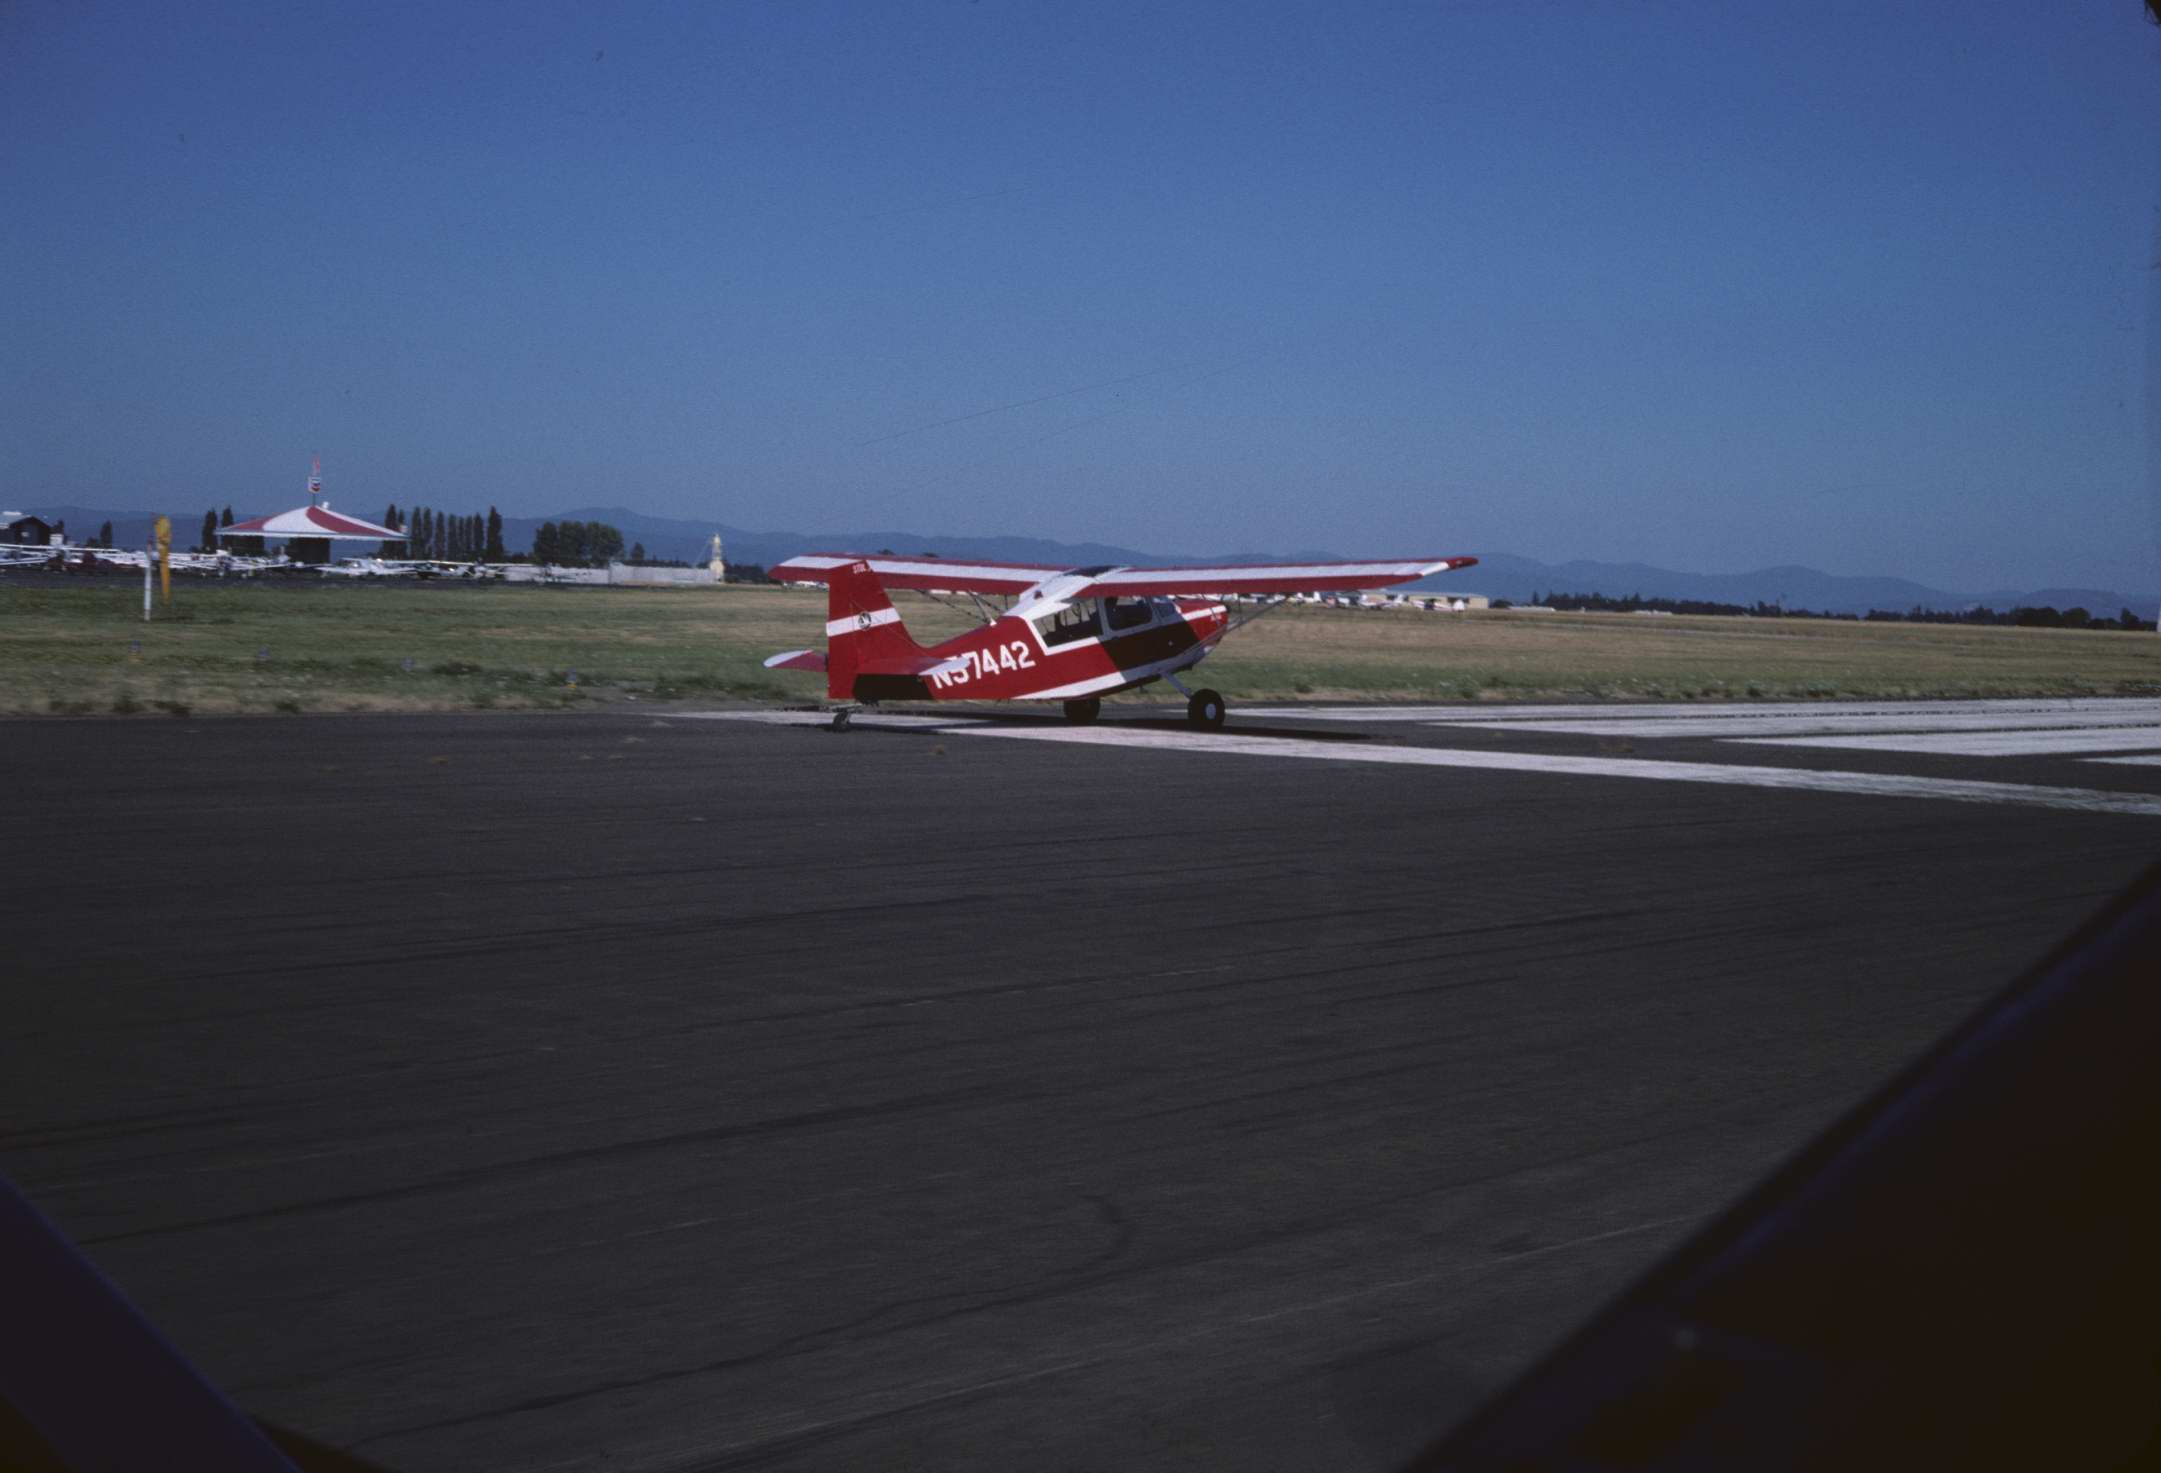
{"x": 76, "y": 556}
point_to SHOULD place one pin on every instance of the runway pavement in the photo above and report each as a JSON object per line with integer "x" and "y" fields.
{"x": 653, "y": 1091}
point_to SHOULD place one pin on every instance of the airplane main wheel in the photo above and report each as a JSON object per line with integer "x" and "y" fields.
{"x": 1080, "y": 713}
{"x": 1206, "y": 710}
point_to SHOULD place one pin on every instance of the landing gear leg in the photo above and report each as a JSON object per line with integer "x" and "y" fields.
{"x": 840, "y": 718}
{"x": 1082, "y": 712}
{"x": 1204, "y": 708}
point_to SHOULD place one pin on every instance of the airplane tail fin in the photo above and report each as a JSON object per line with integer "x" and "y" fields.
{"x": 861, "y": 625}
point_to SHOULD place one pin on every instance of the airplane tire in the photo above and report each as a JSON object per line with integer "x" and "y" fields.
{"x": 1206, "y": 710}
{"x": 1082, "y": 712}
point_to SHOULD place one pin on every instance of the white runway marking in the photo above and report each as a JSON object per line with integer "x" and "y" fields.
{"x": 1826, "y": 723}
{"x": 2084, "y": 800}
{"x": 1922, "y": 713}
{"x": 2150, "y": 760}
{"x": 2000, "y": 728}
{"x": 1979, "y": 743}
{"x": 867, "y": 719}
{"x": 1886, "y": 785}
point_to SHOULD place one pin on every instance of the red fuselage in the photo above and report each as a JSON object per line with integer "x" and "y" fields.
{"x": 1077, "y": 650}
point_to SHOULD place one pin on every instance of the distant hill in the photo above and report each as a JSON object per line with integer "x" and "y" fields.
{"x": 666, "y": 537}
{"x": 1505, "y": 576}
{"x": 1498, "y": 575}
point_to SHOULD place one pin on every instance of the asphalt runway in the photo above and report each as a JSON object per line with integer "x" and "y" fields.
{"x": 646, "y": 1091}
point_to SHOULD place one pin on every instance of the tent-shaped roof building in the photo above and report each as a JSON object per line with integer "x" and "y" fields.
{"x": 313, "y": 520}
{"x": 310, "y": 529}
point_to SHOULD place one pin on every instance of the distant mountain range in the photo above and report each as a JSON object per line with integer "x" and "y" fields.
{"x": 1498, "y": 575}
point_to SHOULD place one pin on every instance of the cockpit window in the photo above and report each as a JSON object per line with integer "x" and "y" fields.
{"x": 1074, "y": 621}
{"x": 1128, "y": 613}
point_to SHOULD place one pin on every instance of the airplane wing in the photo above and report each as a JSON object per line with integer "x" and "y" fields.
{"x": 920, "y": 573}
{"x": 1265, "y": 578}
{"x": 975, "y": 577}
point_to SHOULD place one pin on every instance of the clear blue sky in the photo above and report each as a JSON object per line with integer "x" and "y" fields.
{"x": 1870, "y": 287}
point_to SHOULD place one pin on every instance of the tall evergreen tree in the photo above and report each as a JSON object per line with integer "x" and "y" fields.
{"x": 105, "y": 536}
{"x": 494, "y": 550}
{"x": 210, "y": 533}
{"x": 544, "y": 548}
{"x": 225, "y": 517}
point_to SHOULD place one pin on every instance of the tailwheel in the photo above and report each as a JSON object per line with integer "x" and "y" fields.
{"x": 840, "y": 718}
{"x": 1206, "y": 710}
{"x": 1081, "y": 712}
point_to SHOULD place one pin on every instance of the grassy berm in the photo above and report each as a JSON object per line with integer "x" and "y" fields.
{"x": 79, "y": 646}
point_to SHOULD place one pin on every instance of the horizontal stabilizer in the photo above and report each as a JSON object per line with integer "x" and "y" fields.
{"x": 909, "y": 665}
{"x": 797, "y": 660}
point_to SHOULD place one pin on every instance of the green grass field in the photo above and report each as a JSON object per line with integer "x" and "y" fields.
{"x": 78, "y": 646}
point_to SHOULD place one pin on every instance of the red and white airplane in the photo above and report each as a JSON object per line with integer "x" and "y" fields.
{"x": 1073, "y": 635}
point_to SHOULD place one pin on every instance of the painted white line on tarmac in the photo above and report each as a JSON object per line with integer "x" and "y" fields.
{"x": 2082, "y": 800}
{"x": 868, "y": 720}
{"x": 1924, "y": 712}
{"x": 1979, "y": 743}
{"x": 2152, "y": 759}
{"x": 1831, "y": 724}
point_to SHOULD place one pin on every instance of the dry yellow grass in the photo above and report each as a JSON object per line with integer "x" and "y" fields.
{"x": 1511, "y": 655}
{"x": 72, "y": 646}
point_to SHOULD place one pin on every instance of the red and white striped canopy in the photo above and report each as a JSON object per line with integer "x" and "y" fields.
{"x": 311, "y": 521}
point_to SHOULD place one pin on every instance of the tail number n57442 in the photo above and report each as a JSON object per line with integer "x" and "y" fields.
{"x": 1012, "y": 655}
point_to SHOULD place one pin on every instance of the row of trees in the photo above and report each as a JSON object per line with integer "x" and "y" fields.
{"x": 1602, "y": 603}
{"x": 578, "y": 544}
{"x": 208, "y": 541}
{"x": 448, "y": 537}
{"x": 2042, "y": 617}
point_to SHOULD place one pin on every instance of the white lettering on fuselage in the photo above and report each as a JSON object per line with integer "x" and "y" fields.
{"x": 980, "y": 664}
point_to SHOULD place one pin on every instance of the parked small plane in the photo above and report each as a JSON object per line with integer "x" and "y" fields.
{"x": 1073, "y": 635}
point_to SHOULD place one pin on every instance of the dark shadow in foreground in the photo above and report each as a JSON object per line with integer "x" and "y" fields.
{"x": 1963, "y": 1272}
